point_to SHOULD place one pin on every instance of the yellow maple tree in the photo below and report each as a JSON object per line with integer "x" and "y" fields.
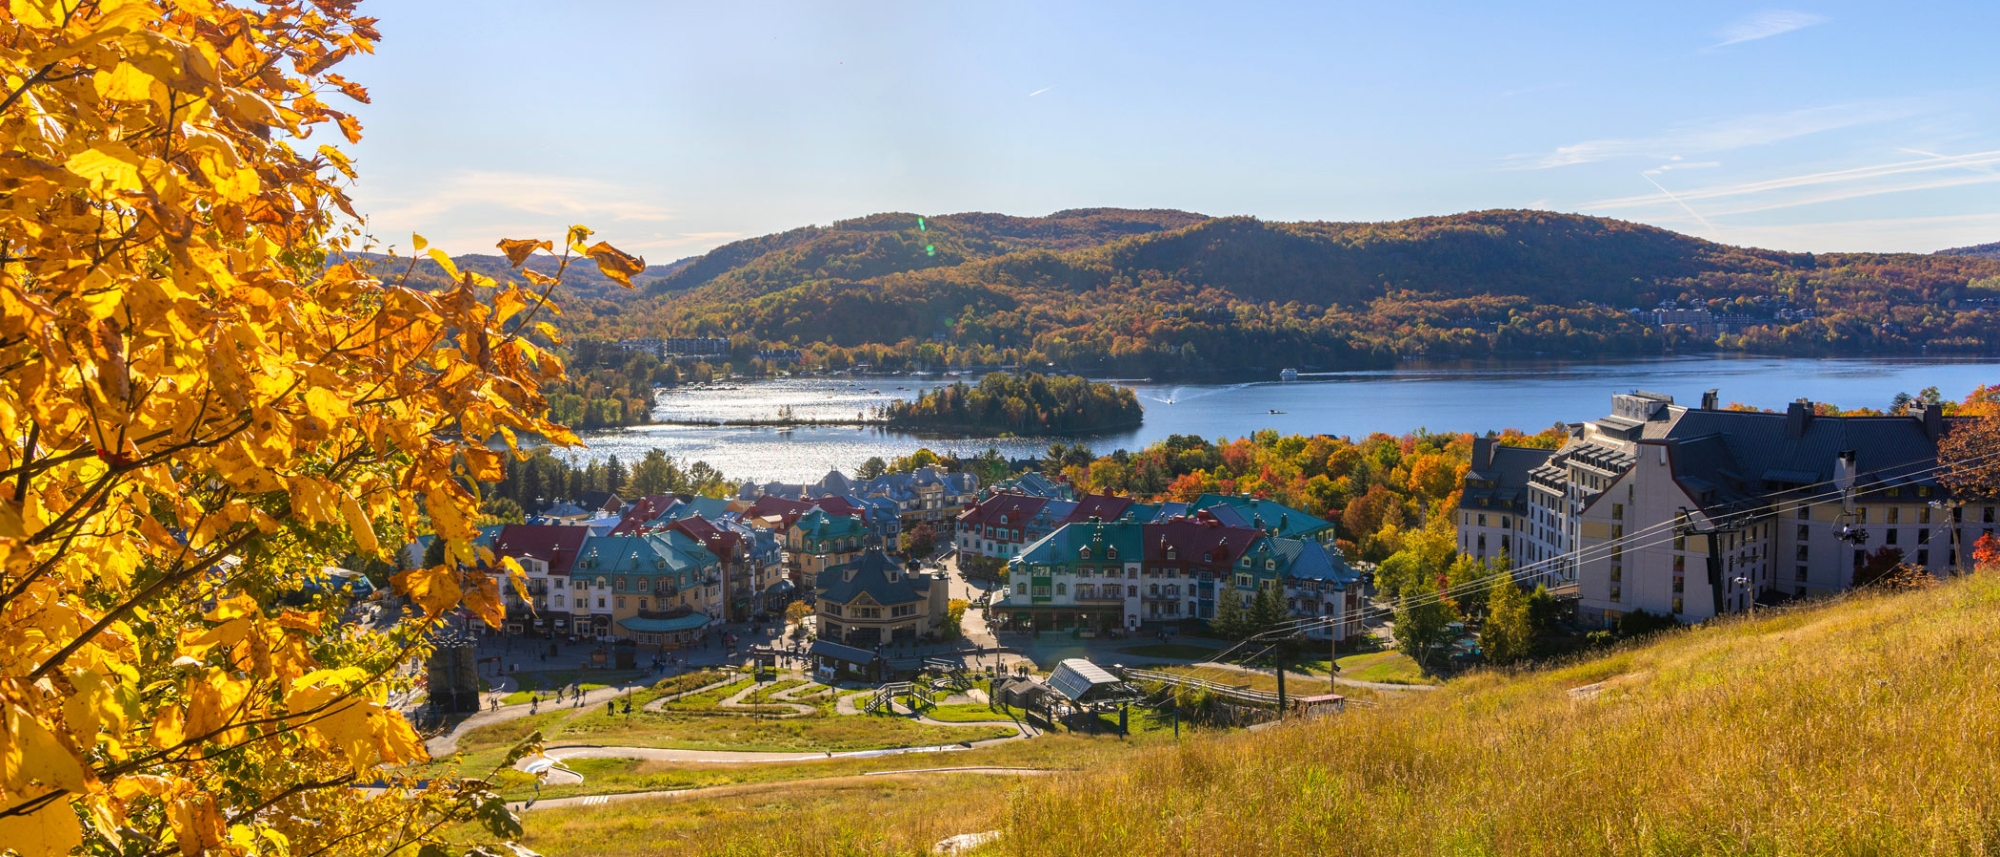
{"x": 205, "y": 404}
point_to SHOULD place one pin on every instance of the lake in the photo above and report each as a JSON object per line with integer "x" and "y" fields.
{"x": 1471, "y": 397}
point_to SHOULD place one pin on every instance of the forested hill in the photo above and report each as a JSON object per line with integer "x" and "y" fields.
{"x": 1985, "y": 251}
{"x": 1174, "y": 294}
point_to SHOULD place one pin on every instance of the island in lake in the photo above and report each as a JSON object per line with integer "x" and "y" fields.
{"x": 1019, "y": 404}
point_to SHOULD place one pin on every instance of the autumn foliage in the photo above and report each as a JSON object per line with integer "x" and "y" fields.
{"x": 200, "y": 416}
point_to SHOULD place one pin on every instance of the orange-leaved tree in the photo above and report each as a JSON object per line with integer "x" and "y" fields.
{"x": 203, "y": 407}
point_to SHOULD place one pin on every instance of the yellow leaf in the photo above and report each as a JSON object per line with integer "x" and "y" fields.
{"x": 49, "y": 831}
{"x": 231, "y": 608}
{"x": 419, "y": 242}
{"x": 484, "y": 600}
{"x": 445, "y": 514}
{"x": 616, "y": 263}
{"x": 167, "y": 730}
{"x": 32, "y": 754}
{"x": 108, "y": 166}
{"x": 359, "y": 524}
{"x": 39, "y": 13}
{"x": 434, "y": 588}
{"x": 125, "y": 82}
{"x": 444, "y": 261}
{"x": 519, "y": 249}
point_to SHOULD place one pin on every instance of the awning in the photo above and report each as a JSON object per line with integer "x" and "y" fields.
{"x": 689, "y": 622}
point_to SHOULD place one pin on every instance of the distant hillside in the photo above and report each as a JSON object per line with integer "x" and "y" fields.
{"x": 1173, "y": 294}
{"x": 1983, "y": 251}
{"x": 1858, "y": 726}
{"x": 583, "y": 280}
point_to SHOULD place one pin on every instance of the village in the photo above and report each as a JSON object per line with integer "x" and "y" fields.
{"x": 870, "y": 622}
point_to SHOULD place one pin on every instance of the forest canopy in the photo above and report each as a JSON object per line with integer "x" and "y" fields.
{"x": 1020, "y": 404}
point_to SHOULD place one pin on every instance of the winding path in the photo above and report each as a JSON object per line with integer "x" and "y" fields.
{"x": 752, "y": 788}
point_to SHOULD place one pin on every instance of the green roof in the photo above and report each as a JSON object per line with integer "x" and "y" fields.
{"x": 657, "y": 626}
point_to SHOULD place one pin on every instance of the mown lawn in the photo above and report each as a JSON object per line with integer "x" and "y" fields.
{"x": 544, "y": 683}
{"x": 1176, "y": 651}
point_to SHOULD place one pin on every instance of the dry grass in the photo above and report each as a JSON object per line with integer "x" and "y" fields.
{"x": 1863, "y": 727}
{"x": 849, "y": 816}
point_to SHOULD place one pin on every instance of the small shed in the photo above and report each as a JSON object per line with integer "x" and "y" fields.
{"x": 832, "y": 660}
{"x": 1025, "y": 692}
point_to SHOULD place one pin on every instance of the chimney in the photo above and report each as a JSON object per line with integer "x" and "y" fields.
{"x": 1710, "y": 400}
{"x": 1797, "y": 417}
{"x": 1932, "y": 417}
{"x": 1482, "y": 453}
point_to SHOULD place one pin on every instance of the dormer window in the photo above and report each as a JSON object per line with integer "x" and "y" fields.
{"x": 1173, "y": 552}
{"x": 1270, "y": 565}
{"x": 1207, "y": 556}
{"x": 1083, "y": 553}
{"x": 1110, "y": 553}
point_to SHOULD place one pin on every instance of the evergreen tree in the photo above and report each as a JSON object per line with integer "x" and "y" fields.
{"x": 1267, "y": 610}
{"x": 1230, "y": 621}
{"x": 1542, "y": 610}
{"x": 1509, "y": 633}
{"x": 614, "y": 473}
{"x": 529, "y": 487}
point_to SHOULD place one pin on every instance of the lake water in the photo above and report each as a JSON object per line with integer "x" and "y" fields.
{"x": 1527, "y": 396}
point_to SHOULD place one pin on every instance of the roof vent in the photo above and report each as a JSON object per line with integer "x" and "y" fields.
{"x": 1797, "y": 417}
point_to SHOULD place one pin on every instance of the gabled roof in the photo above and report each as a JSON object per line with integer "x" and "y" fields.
{"x": 1198, "y": 536}
{"x": 875, "y": 575}
{"x": 596, "y": 500}
{"x": 771, "y": 505}
{"x": 1302, "y": 559}
{"x": 642, "y": 512}
{"x": 556, "y": 545}
{"x": 1066, "y": 544}
{"x": 1503, "y": 483}
{"x": 817, "y": 524}
{"x": 723, "y": 544}
{"x": 1079, "y": 680}
{"x": 1017, "y": 508}
{"x": 1104, "y": 507}
{"x": 1270, "y": 516}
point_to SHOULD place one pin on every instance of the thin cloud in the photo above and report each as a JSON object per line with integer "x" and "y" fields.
{"x": 1765, "y": 24}
{"x": 1719, "y": 136}
{"x": 1886, "y": 235}
{"x": 1678, "y": 164}
{"x": 476, "y": 208}
{"x": 1040, "y": 91}
{"x": 1826, "y": 186}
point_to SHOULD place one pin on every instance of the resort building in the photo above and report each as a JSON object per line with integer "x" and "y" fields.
{"x": 1696, "y": 512}
{"x": 818, "y": 541}
{"x": 874, "y": 600}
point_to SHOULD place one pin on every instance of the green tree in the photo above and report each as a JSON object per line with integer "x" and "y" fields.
{"x": 1423, "y": 627}
{"x": 655, "y": 474}
{"x": 501, "y": 510}
{"x": 872, "y": 468}
{"x": 1267, "y": 610}
{"x": 1230, "y": 622}
{"x": 1508, "y": 634}
{"x": 614, "y": 474}
{"x": 1542, "y": 610}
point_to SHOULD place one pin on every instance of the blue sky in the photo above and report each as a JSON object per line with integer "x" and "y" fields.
{"x": 672, "y": 128}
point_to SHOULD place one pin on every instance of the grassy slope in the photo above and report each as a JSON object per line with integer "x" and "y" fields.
{"x": 1861, "y": 727}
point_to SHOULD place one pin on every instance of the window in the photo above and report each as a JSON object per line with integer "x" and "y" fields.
{"x": 1891, "y": 539}
{"x": 1923, "y": 514}
{"x": 1895, "y": 512}
{"x": 1618, "y": 511}
{"x": 1802, "y": 553}
{"x": 1243, "y": 581}
{"x": 1083, "y": 553}
{"x": 1132, "y": 591}
{"x": 1482, "y": 544}
{"x": 559, "y": 601}
{"x": 557, "y": 581}
{"x": 1173, "y": 553}
{"x": 1041, "y": 590}
{"x": 1805, "y": 512}
{"x": 1270, "y": 565}
{"x": 1020, "y": 589}
{"x": 1860, "y": 556}
{"x": 1506, "y": 523}
{"x": 1805, "y": 532}
{"x": 1923, "y": 557}
{"x": 1616, "y": 592}
{"x": 1482, "y": 520}
{"x": 1677, "y": 605}
{"x": 621, "y": 602}
{"x": 600, "y": 602}
{"x": 1062, "y": 589}
{"x": 1680, "y": 564}
{"x": 621, "y": 584}
{"x": 1802, "y": 572}
{"x": 1680, "y": 585}
{"x": 1617, "y": 573}
{"x": 1923, "y": 537}
{"x": 1986, "y": 517}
